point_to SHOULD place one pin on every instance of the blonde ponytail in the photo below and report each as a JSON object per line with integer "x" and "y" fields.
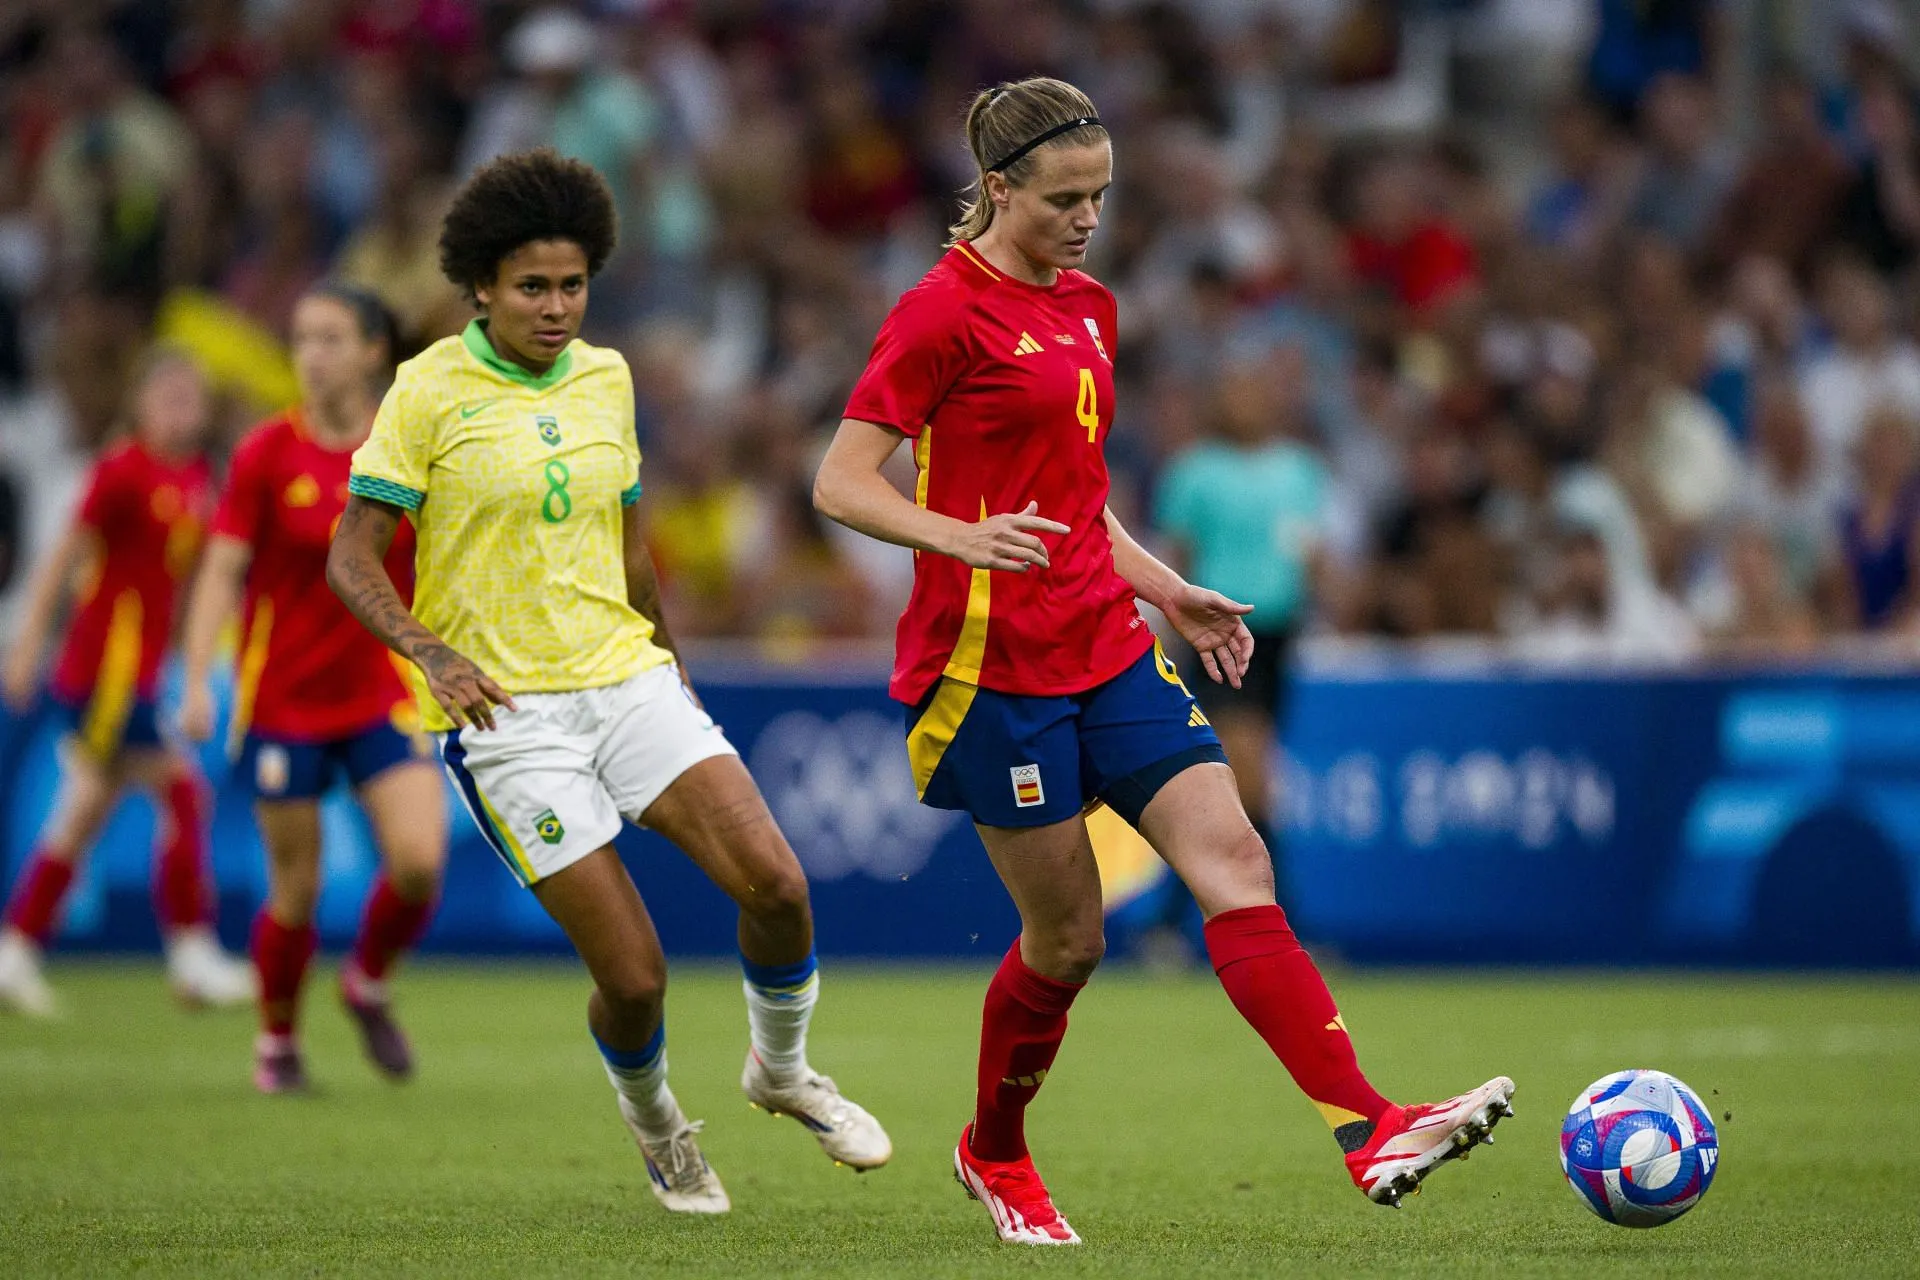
{"x": 1004, "y": 122}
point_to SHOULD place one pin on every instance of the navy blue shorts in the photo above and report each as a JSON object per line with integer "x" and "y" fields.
{"x": 104, "y": 728}
{"x": 1015, "y": 760}
{"x": 276, "y": 769}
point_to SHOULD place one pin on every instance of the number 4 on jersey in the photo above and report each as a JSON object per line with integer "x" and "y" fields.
{"x": 1087, "y": 409}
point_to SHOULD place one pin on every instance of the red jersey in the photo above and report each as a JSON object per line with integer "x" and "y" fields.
{"x": 150, "y": 515}
{"x": 1006, "y": 390}
{"x": 308, "y": 671}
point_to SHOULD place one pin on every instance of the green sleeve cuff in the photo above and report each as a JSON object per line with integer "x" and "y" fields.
{"x": 630, "y": 496}
{"x": 394, "y": 495}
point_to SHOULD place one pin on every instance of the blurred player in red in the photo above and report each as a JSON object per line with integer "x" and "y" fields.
{"x": 1033, "y": 685}
{"x": 135, "y": 538}
{"x": 316, "y": 696}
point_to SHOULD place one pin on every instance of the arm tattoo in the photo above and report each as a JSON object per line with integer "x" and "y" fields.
{"x": 357, "y": 575}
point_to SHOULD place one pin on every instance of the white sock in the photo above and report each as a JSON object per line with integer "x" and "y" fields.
{"x": 777, "y": 1020}
{"x": 641, "y": 1079}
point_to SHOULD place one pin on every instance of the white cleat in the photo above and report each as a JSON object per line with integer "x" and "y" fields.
{"x": 202, "y": 974}
{"x": 23, "y": 988}
{"x": 845, "y": 1130}
{"x": 680, "y": 1176}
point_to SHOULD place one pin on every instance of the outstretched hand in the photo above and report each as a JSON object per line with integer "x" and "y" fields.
{"x": 1216, "y": 628}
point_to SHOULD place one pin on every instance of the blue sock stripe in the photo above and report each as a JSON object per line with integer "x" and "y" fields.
{"x": 780, "y": 979}
{"x": 634, "y": 1059}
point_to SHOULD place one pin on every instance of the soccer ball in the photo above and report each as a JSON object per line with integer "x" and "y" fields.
{"x": 1639, "y": 1148}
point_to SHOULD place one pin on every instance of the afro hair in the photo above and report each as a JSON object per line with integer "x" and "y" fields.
{"x": 518, "y": 199}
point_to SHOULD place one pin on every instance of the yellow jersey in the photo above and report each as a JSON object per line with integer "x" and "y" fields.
{"x": 515, "y": 484}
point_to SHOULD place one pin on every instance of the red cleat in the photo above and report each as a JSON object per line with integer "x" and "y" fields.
{"x": 372, "y": 1013}
{"x": 276, "y": 1065}
{"x": 1011, "y": 1190}
{"x": 1410, "y": 1142}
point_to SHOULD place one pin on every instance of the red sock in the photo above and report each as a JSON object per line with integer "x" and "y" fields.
{"x": 182, "y": 883}
{"x": 1020, "y": 1031}
{"x": 1276, "y": 988}
{"x": 37, "y": 896}
{"x": 280, "y": 957}
{"x": 391, "y": 925}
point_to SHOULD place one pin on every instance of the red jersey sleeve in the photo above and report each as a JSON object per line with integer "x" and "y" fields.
{"x": 244, "y": 500}
{"x": 105, "y": 485}
{"x": 918, "y": 354}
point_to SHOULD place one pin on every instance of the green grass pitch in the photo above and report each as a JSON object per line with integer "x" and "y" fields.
{"x": 131, "y": 1141}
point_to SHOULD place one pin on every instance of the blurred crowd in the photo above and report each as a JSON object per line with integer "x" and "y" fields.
{"x": 1594, "y": 318}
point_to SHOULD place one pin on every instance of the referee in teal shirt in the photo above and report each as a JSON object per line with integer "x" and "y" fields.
{"x": 1246, "y": 511}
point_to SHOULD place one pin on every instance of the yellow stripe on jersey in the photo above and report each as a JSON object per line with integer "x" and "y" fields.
{"x": 118, "y": 680}
{"x": 970, "y": 649}
{"x": 923, "y": 462}
{"x": 972, "y": 255}
{"x": 933, "y": 732}
{"x": 253, "y": 664}
{"x": 516, "y": 483}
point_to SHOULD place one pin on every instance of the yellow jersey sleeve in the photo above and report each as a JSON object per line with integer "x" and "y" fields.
{"x": 391, "y": 467}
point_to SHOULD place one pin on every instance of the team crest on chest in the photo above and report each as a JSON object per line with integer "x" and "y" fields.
{"x": 549, "y": 427}
{"x": 302, "y": 491}
{"x": 1093, "y": 331}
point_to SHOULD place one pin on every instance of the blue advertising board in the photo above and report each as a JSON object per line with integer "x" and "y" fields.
{"x": 1431, "y": 817}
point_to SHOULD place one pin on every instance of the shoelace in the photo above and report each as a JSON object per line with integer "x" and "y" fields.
{"x": 685, "y": 1165}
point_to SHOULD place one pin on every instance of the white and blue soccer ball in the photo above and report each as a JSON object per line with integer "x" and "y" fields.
{"x": 1639, "y": 1148}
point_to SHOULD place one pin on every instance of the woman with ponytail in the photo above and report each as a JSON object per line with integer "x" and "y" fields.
{"x": 315, "y": 696}
{"x": 1033, "y": 687}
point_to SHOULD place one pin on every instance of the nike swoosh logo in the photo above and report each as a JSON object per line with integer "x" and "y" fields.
{"x": 467, "y": 411}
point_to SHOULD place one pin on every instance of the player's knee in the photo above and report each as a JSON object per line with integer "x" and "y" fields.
{"x": 634, "y": 990}
{"x": 1247, "y": 863}
{"x": 415, "y": 879}
{"x": 780, "y": 895}
{"x": 294, "y": 898}
{"x": 1070, "y": 955}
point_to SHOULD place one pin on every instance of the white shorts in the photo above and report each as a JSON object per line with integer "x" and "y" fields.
{"x": 551, "y": 781}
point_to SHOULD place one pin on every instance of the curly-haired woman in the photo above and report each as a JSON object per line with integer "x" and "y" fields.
{"x": 551, "y": 681}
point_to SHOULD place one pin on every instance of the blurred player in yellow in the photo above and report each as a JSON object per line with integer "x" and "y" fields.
{"x": 547, "y": 672}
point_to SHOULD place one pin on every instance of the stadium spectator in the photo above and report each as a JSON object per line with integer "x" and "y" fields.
{"x": 1870, "y": 363}
{"x": 1880, "y": 531}
{"x": 1690, "y": 167}
{"x": 1399, "y": 244}
{"x": 1636, "y": 43}
{"x": 1789, "y": 495}
{"x": 1787, "y": 195}
{"x": 1754, "y": 608}
{"x": 1585, "y": 195}
{"x": 1585, "y": 617}
{"x": 1880, "y": 212}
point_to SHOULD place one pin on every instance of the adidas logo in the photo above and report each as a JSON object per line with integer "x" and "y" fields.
{"x": 1025, "y": 1082}
{"x": 1027, "y": 346}
{"x": 1339, "y": 1023}
{"x": 1195, "y": 720}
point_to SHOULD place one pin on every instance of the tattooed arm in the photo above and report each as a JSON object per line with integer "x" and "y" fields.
{"x": 357, "y": 572}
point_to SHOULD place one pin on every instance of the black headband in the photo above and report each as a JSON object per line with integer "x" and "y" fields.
{"x": 1048, "y": 136}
